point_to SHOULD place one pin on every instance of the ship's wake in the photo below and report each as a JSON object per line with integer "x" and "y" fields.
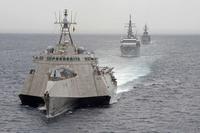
{"x": 127, "y": 76}
{"x": 127, "y": 70}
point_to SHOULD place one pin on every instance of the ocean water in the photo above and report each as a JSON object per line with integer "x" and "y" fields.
{"x": 159, "y": 90}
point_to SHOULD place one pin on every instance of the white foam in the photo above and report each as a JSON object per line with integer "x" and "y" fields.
{"x": 127, "y": 76}
{"x": 127, "y": 70}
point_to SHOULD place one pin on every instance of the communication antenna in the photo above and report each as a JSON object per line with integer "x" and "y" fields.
{"x": 74, "y": 21}
{"x": 71, "y": 17}
{"x": 59, "y": 21}
{"x": 65, "y": 25}
{"x": 145, "y": 28}
{"x": 75, "y": 17}
{"x": 56, "y": 17}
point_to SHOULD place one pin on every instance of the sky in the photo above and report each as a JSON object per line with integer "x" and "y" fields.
{"x": 101, "y": 16}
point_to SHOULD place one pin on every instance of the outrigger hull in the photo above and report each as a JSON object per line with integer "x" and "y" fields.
{"x": 54, "y": 106}
{"x": 32, "y": 101}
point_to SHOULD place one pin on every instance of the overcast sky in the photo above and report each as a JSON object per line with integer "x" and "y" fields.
{"x": 101, "y": 16}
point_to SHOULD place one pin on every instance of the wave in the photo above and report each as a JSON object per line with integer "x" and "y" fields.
{"x": 127, "y": 76}
{"x": 127, "y": 70}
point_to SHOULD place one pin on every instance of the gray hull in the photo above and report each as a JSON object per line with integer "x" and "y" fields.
{"x": 54, "y": 106}
{"x": 57, "y": 106}
{"x": 146, "y": 39}
{"x": 130, "y": 51}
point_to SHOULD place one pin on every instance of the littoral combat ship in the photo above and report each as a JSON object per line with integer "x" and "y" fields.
{"x": 146, "y": 38}
{"x": 67, "y": 76}
{"x": 130, "y": 44}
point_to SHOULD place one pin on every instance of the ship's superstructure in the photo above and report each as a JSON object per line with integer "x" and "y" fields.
{"x": 146, "y": 38}
{"x": 66, "y": 76}
{"x": 130, "y": 44}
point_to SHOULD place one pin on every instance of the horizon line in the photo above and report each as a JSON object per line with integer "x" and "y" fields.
{"x": 88, "y": 33}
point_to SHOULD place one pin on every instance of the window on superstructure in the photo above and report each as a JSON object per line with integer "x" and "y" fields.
{"x": 41, "y": 58}
{"x": 61, "y": 74}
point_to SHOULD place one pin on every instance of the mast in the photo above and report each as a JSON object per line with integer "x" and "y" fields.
{"x": 65, "y": 25}
{"x": 145, "y": 28}
{"x": 130, "y": 31}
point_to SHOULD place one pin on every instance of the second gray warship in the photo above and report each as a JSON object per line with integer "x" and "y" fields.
{"x": 146, "y": 38}
{"x": 130, "y": 44}
{"x": 67, "y": 76}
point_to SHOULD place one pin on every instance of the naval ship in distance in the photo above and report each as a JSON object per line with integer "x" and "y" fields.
{"x": 130, "y": 44}
{"x": 146, "y": 38}
{"x": 67, "y": 76}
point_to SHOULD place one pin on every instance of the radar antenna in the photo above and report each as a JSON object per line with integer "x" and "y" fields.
{"x": 65, "y": 29}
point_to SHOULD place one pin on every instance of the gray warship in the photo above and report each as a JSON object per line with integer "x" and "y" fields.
{"x": 130, "y": 44}
{"x": 146, "y": 38}
{"x": 67, "y": 76}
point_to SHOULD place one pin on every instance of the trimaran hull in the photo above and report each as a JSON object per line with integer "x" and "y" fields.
{"x": 54, "y": 106}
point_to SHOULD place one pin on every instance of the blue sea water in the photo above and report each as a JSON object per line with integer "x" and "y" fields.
{"x": 159, "y": 90}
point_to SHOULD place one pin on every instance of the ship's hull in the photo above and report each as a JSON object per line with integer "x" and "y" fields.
{"x": 32, "y": 101}
{"x": 146, "y": 39}
{"x": 130, "y": 50}
{"x": 58, "y": 105}
{"x": 54, "y": 106}
{"x": 57, "y": 96}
